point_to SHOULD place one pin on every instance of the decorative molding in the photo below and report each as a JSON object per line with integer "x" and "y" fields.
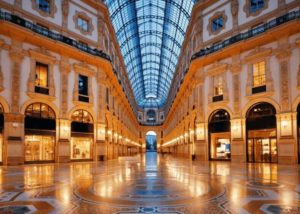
{"x": 85, "y": 69}
{"x": 258, "y": 54}
{"x": 216, "y": 15}
{"x": 84, "y": 16}
{"x": 16, "y": 56}
{"x": 216, "y": 69}
{"x": 43, "y": 56}
{"x": 65, "y": 12}
{"x": 246, "y": 8}
{"x": 234, "y": 13}
{"x": 53, "y": 8}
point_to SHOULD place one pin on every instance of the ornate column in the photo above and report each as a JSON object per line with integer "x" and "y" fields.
{"x": 237, "y": 138}
{"x": 287, "y": 137}
{"x": 101, "y": 143}
{"x": 1, "y": 73}
{"x": 63, "y": 149}
{"x": 14, "y": 121}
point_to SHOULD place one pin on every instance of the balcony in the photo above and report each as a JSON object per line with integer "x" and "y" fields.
{"x": 249, "y": 34}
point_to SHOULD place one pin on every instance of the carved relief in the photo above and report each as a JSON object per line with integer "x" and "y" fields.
{"x": 247, "y": 8}
{"x": 211, "y": 19}
{"x": 284, "y": 74}
{"x": 53, "y": 8}
{"x": 234, "y": 12}
{"x": 65, "y": 12}
{"x": 84, "y": 16}
{"x": 16, "y": 56}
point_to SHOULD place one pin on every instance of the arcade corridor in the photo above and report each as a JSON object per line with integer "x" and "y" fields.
{"x": 150, "y": 183}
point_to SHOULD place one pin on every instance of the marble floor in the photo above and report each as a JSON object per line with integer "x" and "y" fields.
{"x": 150, "y": 183}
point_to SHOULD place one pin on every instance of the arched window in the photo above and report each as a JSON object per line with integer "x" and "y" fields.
{"x": 82, "y": 122}
{"x": 39, "y": 116}
{"x": 219, "y": 121}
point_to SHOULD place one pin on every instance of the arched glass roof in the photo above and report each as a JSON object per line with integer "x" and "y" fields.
{"x": 150, "y": 35}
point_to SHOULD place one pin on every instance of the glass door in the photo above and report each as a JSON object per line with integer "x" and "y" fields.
{"x": 262, "y": 150}
{"x": 250, "y": 150}
{"x": 274, "y": 157}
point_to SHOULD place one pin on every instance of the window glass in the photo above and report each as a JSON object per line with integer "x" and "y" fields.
{"x": 83, "y": 24}
{"x": 259, "y": 75}
{"x": 83, "y": 85}
{"x": 256, "y": 5}
{"x": 44, "y": 5}
{"x": 217, "y": 23}
{"x": 218, "y": 85}
{"x": 41, "y": 75}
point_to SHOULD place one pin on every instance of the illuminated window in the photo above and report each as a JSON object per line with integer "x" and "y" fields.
{"x": 256, "y": 5}
{"x": 41, "y": 78}
{"x": 41, "y": 75}
{"x": 83, "y": 24}
{"x": 217, "y": 23}
{"x": 218, "y": 85}
{"x": 259, "y": 74}
{"x": 44, "y": 5}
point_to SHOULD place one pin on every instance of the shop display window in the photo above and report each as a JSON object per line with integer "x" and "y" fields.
{"x": 39, "y": 148}
{"x": 81, "y": 148}
{"x": 220, "y": 148}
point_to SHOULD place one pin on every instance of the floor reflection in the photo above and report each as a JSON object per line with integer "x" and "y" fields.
{"x": 150, "y": 184}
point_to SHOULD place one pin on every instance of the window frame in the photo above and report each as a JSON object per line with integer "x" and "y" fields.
{"x": 217, "y": 15}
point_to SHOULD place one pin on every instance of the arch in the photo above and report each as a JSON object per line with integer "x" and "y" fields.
{"x": 151, "y": 133}
{"x": 215, "y": 109}
{"x": 78, "y": 111}
{"x": 79, "y": 107}
{"x": 4, "y": 104}
{"x": 251, "y": 103}
{"x": 295, "y": 104}
{"x": 44, "y": 101}
{"x": 215, "y": 112}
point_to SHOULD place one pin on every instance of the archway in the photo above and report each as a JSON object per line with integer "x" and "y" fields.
{"x": 151, "y": 141}
{"x": 82, "y": 135}
{"x": 261, "y": 133}
{"x": 298, "y": 131}
{"x": 40, "y": 132}
{"x": 219, "y": 135}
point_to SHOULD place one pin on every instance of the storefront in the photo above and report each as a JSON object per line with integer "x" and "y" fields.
{"x": 40, "y": 132}
{"x": 82, "y": 135}
{"x": 261, "y": 134}
{"x": 219, "y": 136}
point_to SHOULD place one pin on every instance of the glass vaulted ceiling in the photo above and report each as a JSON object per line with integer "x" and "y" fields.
{"x": 150, "y": 35}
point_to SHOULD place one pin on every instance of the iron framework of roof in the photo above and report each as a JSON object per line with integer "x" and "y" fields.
{"x": 150, "y": 34}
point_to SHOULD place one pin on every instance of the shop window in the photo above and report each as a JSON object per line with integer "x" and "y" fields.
{"x": 259, "y": 77}
{"x": 217, "y": 23}
{"x": 256, "y": 5}
{"x": 44, "y": 5}
{"x": 83, "y": 88}
{"x": 41, "y": 78}
{"x": 81, "y": 148}
{"x": 39, "y": 148}
{"x": 83, "y": 24}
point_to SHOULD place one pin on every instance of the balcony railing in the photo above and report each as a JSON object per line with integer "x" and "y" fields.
{"x": 249, "y": 34}
{"x": 52, "y": 35}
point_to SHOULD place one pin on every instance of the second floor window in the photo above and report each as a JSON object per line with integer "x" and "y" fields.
{"x": 256, "y": 5}
{"x": 259, "y": 74}
{"x": 218, "y": 85}
{"x": 217, "y": 23}
{"x": 83, "y": 85}
{"x": 41, "y": 75}
{"x": 83, "y": 24}
{"x": 44, "y": 5}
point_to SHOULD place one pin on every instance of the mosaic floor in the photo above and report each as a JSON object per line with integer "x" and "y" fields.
{"x": 150, "y": 184}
